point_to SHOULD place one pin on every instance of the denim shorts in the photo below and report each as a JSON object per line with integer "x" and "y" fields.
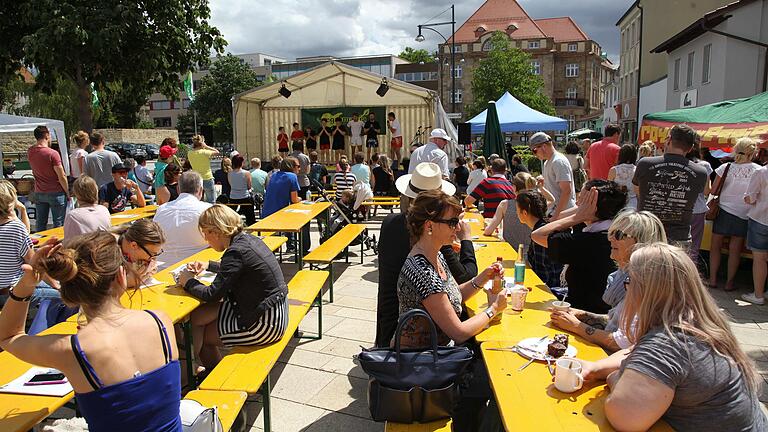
{"x": 727, "y": 224}
{"x": 757, "y": 236}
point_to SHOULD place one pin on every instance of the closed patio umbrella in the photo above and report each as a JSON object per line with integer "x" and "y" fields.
{"x": 493, "y": 139}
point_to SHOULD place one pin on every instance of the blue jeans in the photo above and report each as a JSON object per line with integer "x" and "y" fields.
{"x": 210, "y": 191}
{"x": 56, "y": 203}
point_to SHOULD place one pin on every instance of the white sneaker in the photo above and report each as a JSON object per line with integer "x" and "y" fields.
{"x": 753, "y": 299}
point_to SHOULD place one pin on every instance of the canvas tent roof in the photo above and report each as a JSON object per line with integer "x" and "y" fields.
{"x": 515, "y": 116}
{"x": 12, "y": 124}
{"x": 259, "y": 111}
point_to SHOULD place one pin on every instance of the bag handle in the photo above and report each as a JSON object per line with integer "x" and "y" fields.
{"x": 413, "y": 313}
{"x": 722, "y": 180}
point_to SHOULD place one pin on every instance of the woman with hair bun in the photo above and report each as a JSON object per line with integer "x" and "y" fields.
{"x": 123, "y": 364}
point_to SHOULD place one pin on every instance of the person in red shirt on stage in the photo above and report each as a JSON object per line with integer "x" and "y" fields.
{"x": 297, "y": 134}
{"x": 603, "y": 154}
{"x": 282, "y": 142}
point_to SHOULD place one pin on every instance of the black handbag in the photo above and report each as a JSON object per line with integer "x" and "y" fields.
{"x": 413, "y": 385}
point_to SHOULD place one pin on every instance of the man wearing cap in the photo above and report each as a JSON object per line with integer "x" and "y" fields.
{"x": 431, "y": 152}
{"x": 99, "y": 162}
{"x": 116, "y": 194}
{"x": 558, "y": 176}
{"x": 395, "y": 244}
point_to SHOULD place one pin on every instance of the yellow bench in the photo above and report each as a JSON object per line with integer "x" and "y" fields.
{"x": 435, "y": 426}
{"x": 247, "y": 369}
{"x": 228, "y": 403}
{"x": 331, "y": 248}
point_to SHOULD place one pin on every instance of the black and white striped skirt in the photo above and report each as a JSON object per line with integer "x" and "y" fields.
{"x": 268, "y": 329}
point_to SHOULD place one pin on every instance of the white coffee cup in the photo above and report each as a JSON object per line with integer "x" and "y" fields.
{"x": 561, "y": 306}
{"x": 568, "y": 376}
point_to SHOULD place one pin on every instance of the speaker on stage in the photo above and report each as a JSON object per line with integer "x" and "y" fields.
{"x": 465, "y": 133}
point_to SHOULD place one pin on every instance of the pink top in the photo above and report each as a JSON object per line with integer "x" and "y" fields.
{"x": 41, "y": 161}
{"x": 84, "y": 220}
{"x": 602, "y": 156}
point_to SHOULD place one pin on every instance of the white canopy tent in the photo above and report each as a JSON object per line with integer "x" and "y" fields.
{"x": 260, "y": 111}
{"x": 14, "y": 124}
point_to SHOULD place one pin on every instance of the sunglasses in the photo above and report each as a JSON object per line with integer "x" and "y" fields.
{"x": 150, "y": 254}
{"x": 452, "y": 222}
{"x": 620, "y": 235}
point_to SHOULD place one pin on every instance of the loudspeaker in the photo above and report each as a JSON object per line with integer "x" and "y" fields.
{"x": 465, "y": 133}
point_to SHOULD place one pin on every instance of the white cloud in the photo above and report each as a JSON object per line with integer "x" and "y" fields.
{"x": 353, "y": 27}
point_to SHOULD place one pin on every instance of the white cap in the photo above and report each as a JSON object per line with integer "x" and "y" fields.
{"x": 439, "y": 133}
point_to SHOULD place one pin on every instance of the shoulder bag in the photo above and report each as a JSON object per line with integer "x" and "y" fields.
{"x": 713, "y": 206}
{"x": 197, "y": 418}
{"x": 413, "y": 385}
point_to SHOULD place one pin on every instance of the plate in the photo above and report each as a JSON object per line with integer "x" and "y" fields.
{"x": 538, "y": 346}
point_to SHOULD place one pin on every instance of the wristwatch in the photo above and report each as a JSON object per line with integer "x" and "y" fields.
{"x": 490, "y": 313}
{"x": 474, "y": 284}
{"x": 17, "y": 298}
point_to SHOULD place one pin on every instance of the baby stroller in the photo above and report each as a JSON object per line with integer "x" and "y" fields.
{"x": 343, "y": 214}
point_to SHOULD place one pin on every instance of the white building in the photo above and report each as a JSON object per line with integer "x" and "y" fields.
{"x": 718, "y": 57}
{"x": 611, "y": 97}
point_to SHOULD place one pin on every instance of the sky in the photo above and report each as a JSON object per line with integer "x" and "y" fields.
{"x": 300, "y": 28}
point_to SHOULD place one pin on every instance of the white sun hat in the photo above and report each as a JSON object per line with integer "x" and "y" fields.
{"x": 426, "y": 176}
{"x": 439, "y": 133}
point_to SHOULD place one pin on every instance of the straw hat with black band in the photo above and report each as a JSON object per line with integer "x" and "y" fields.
{"x": 426, "y": 176}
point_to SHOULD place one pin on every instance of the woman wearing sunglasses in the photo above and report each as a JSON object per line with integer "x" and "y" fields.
{"x": 628, "y": 229}
{"x": 141, "y": 242}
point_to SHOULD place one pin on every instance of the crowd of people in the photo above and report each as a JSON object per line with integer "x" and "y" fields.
{"x": 637, "y": 293}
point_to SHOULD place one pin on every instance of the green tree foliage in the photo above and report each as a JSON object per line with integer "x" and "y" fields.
{"x": 229, "y": 75}
{"x": 507, "y": 69}
{"x": 59, "y": 103}
{"x": 144, "y": 44}
{"x": 417, "y": 55}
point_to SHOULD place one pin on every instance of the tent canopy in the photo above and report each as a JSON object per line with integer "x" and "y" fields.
{"x": 14, "y": 124}
{"x": 260, "y": 111}
{"x": 719, "y": 124}
{"x": 515, "y": 116}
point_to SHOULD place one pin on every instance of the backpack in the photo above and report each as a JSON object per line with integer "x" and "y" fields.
{"x": 579, "y": 176}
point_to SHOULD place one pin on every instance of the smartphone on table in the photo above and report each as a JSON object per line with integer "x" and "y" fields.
{"x": 48, "y": 378}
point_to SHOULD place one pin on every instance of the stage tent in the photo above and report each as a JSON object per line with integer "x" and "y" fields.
{"x": 719, "y": 124}
{"x": 515, "y": 116}
{"x": 260, "y": 111}
{"x": 15, "y": 124}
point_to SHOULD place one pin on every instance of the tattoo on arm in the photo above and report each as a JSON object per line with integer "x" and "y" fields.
{"x": 590, "y": 330}
{"x": 595, "y": 320}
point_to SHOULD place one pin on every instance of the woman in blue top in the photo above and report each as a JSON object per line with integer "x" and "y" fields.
{"x": 122, "y": 364}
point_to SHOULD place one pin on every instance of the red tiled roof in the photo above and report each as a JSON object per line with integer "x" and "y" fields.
{"x": 498, "y": 15}
{"x": 562, "y": 29}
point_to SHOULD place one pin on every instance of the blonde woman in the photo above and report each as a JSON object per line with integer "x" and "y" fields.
{"x": 686, "y": 366}
{"x": 89, "y": 216}
{"x": 628, "y": 229}
{"x": 254, "y": 310}
{"x": 731, "y": 221}
{"x": 647, "y": 149}
{"x": 200, "y": 160}
{"x": 514, "y": 231}
{"x": 78, "y": 154}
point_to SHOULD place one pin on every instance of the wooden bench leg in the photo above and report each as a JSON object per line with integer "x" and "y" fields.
{"x": 330, "y": 282}
{"x": 362, "y": 254}
{"x": 266, "y": 404}
{"x": 186, "y": 328}
{"x": 346, "y": 254}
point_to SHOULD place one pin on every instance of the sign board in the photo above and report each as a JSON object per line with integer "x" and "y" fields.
{"x": 453, "y": 116}
{"x": 688, "y": 99}
{"x": 311, "y": 116}
{"x": 713, "y": 135}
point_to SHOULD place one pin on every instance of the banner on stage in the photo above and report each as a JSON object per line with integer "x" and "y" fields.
{"x": 713, "y": 135}
{"x": 311, "y": 116}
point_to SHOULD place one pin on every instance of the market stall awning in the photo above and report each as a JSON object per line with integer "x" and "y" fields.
{"x": 515, "y": 116}
{"x": 719, "y": 124}
{"x": 15, "y": 124}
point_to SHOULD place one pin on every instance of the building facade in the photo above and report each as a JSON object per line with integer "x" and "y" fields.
{"x": 569, "y": 62}
{"x": 380, "y": 64}
{"x": 704, "y": 67}
{"x": 629, "y": 72}
{"x": 423, "y": 75}
{"x": 611, "y": 102}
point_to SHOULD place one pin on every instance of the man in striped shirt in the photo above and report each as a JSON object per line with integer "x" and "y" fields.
{"x": 492, "y": 190}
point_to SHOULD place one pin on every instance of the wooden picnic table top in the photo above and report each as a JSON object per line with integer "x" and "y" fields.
{"x": 124, "y": 217}
{"x": 291, "y": 218}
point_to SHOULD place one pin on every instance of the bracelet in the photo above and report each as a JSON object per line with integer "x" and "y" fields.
{"x": 17, "y": 298}
{"x": 475, "y": 285}
{"x": 490, "y": 313}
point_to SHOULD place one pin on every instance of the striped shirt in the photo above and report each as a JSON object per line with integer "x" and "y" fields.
{"x": 343, "y": 181}
{"x": 492, "y": 191}
{"x": 16, "y": 245}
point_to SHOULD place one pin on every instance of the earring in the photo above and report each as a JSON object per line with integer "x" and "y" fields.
{"x": 430, "y": 231}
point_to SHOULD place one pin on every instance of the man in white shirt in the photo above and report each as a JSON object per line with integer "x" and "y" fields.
{"x": 557, "y": 173}
{"x": 432, "y": 152}
{"x": 396, "y": 143}
{"x": 178, "y": 219}
{"x": 355, "y": 127}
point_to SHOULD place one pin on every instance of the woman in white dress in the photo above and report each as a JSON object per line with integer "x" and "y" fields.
{"x": 624, "y": 171}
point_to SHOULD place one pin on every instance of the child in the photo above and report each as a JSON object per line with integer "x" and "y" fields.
{"x": 310, "y": 138}
{"x": 355, "y": 127}
{"x": 324, "y": 136}
{"x": 339, "y": 132}
{"x": 297, "y": 134}
{"x": 282, "y": 142}
{"x": 396, "y": 143}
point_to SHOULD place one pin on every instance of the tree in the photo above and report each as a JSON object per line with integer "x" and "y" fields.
{"x": 417, "y": 55}
{"x": 229, "y": 75}
{"x": 507, "y": 69}
{"x": 146, "y": 44}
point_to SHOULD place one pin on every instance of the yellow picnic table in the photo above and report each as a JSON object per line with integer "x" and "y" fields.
{"x": 129, "y": 215}
{"x": 530, "y": 391}
{"x": 477, "y": 225}
{"x": 292, "y": 219}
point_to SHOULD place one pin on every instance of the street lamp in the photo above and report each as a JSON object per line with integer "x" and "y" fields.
{"x": 420, "y": 38}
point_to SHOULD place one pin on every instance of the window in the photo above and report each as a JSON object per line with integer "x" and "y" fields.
{"x": 572, "y": 47}
{"x": 571, "y": 70}
{"x": 160, "y": 105}
{"x": 571, "y": 122}
{"x": 705, "y": 66}
{"x": 570, "y": 93}
{"x": 689, "y": 76}
{"x": 536, "y": 67}
{"x": 267, "y": 62}
{"x": 457, "y": 96}
{"x": 456, "y": 72}
{"x": 634, "y": 34}
{"x": 457, "y": 48}
{"x": 533, "y": 44}
{"x": 162, "y": 122}
{"x": 632, "y": 86}
{"x": 676, "y": 82}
